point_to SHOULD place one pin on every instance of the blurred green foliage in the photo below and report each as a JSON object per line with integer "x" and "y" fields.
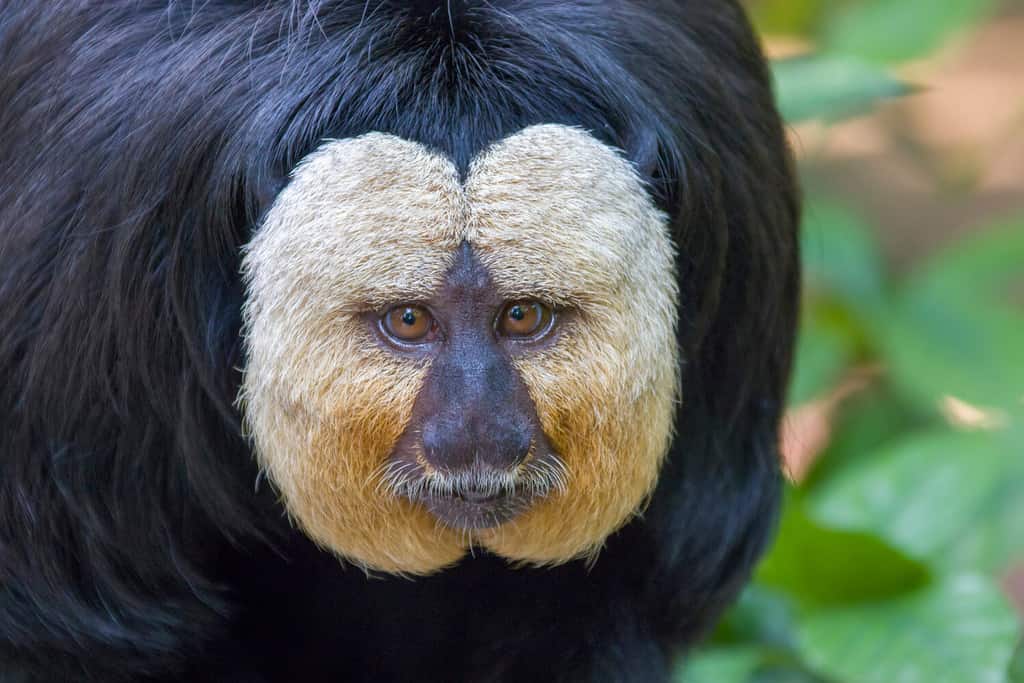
{"x": 889, "y": 557}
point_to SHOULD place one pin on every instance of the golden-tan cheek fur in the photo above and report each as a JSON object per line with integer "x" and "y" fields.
{"x": 605, "y": 394}
{"x": 373, "y": 221}
{"x": 362, "y": 224}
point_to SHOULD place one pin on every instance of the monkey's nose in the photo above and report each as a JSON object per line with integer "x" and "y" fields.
{"x": 457, "y": 442}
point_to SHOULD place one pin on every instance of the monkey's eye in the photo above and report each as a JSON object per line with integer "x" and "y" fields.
{"x": 525, "y": 319}
{"x": 408, "y": 324}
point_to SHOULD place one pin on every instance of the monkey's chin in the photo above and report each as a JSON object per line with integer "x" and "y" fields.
{"x": 476, "y": 511}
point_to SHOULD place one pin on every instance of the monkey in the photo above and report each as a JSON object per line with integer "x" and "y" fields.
{"x": 374, "y": 340}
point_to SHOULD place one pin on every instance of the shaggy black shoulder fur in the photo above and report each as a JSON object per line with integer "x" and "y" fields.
{"x": 140, "y": 140}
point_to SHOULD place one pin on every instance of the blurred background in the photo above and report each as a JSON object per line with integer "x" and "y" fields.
{"x": 900, "y": 557}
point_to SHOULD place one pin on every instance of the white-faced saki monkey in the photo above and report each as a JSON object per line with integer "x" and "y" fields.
{"x": 366, "y": 340}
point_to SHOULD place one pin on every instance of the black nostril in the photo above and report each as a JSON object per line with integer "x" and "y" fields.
{"x": 447, "y": 442}
{"x": 506, "y": 444}
{"x": 517, "y": 440}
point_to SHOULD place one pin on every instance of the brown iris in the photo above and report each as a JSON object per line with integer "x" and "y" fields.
{"x": 408, "y": 324}
{"x": 524, "y": 319}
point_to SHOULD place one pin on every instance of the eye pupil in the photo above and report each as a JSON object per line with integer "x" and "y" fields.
{"x": 409, "y": 317}
{"x": 516, "y": 313}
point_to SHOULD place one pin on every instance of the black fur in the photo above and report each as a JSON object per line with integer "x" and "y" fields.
{"x": 140, "y": 140}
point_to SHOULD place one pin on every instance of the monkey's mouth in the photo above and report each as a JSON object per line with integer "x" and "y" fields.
{"x": 476, "y": 508}
{"x": 478, "y": 497}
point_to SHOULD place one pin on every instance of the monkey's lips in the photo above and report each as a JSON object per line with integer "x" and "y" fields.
{"x": 470, "y": 509}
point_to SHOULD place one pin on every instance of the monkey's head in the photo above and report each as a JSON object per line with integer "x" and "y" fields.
{"x": 437, "y": 362}
{"x": 525, "y": 276}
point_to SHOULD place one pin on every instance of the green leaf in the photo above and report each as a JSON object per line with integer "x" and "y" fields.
{"x": 721, "y": 665}
{"x": 785, "y": 674}
{"x": 957, "y": 328}
{"x": 824, "y": 350}
{"x": 935, "y": 349}
{"x": 843, "y": 279}
{"x": 786, "y": 16}
{"x": 1016, "y": 670}
{"x": 898, "y": 30}
{"x": 958, "y": 631}
{"x": 839, "y": 253}
{"x": 761, "y": 615}
{"x": 820, "y": 566}
{"x": 955, "y": 499}
{"x": 988, "y": 268}
{"x": 830, "y": 87}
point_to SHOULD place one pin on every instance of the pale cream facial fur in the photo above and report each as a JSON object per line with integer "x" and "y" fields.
{"x": 374, "y": 221}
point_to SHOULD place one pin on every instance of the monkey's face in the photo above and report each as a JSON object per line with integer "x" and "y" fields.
{"x": 436, "y": 362}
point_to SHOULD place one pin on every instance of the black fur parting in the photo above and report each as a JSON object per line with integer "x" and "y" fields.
{"x": 140, "y": 141}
